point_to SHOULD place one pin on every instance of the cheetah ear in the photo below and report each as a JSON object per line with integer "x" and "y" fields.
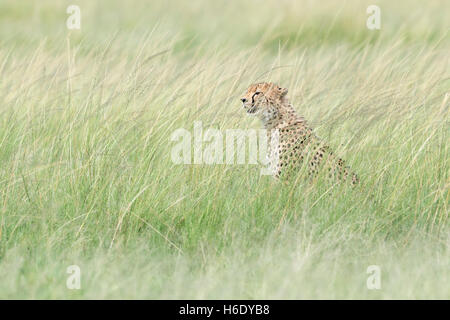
{"x": 283, "y": 92}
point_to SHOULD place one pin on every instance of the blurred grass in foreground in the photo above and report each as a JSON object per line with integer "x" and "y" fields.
{"x": 86, "y": 176}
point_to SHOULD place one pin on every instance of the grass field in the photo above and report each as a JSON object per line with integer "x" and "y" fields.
{"x": 86, "y": 176}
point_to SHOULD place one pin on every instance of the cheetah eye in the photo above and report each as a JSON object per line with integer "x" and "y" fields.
{"x": 255, "y": 94}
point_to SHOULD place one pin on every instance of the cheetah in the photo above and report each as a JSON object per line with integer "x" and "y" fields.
{"x": 296, "y": 144}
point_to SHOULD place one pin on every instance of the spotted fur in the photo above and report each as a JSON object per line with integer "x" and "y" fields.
{"x": 297, "y": 144}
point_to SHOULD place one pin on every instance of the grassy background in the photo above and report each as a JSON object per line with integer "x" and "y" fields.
{"x": 86, "y": 176}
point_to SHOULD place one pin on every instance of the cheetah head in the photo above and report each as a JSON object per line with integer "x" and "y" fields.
{"x": 263, "y": 100}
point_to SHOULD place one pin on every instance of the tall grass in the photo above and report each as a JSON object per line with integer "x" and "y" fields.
{"x": 86, "y": 176}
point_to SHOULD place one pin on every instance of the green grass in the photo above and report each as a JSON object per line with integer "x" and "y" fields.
{"x": 86, "y": 176}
